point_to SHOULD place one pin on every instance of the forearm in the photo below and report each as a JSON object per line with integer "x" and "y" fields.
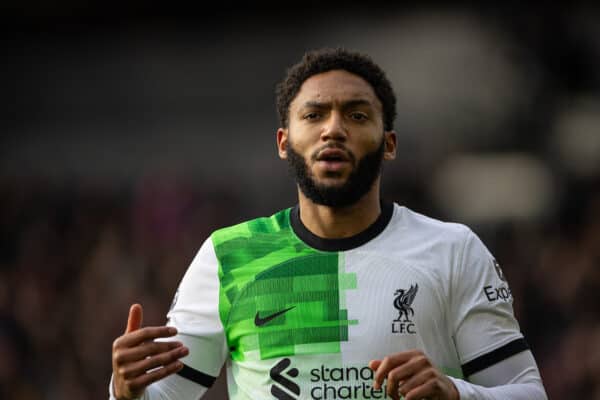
{"x": 515, "y": 378}
{"x": 514, "y": 391}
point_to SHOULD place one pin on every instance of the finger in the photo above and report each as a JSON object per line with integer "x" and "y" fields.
{"x": 426, "y": 390}
{"x": 142, "y": 335}
{"x": 381, "y": 372}
{"x": 416, "y": 380}
{"x": 134, "y": 322}
{"x": 129, "y": 355}
{"x": 144, "y": 380}
{"x": 387, "y": 364}
{"x": 374, "y": 364}
{"x": 393, "y": 383}
{"x": 417, "y": 363}
{"x": 133, "y": 370}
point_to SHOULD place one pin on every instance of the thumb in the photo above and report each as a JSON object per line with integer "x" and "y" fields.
{"x": 134, "y": 322}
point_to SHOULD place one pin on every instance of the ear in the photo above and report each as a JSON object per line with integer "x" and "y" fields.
{"x": 389, "y": 151}
{"x": 282, "y": 139}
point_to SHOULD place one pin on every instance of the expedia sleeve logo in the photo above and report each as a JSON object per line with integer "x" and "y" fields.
{"x": 493, "y": 294}
{"x": 498, "y": 270}
{"x": 498, "y": 292}
{"x": 403, "y": 303}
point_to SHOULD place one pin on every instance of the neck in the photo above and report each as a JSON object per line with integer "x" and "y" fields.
{"x": 337, "y": 223}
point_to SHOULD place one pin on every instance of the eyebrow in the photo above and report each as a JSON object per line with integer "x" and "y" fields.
{"x": 345, "y": 104}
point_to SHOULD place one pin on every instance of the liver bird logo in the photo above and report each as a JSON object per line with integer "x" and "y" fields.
{"x": 403, "y": 302}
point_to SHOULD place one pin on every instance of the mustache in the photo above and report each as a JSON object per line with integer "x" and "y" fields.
{"x": 337, "y": 146}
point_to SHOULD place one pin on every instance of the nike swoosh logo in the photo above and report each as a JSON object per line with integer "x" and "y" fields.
{"x": 258, "y": 321}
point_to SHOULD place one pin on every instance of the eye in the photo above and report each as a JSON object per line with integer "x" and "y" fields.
{"x": 311, "y": 116}
{"x": 358, "y": 116}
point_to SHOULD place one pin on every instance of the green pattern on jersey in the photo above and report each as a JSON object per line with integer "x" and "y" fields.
{"x": 265, "y": 269}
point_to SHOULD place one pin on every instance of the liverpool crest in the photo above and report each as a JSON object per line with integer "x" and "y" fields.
{"x": 403, "y": 303}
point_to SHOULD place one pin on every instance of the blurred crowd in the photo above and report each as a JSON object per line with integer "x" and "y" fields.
{"x": 74, "y": 257}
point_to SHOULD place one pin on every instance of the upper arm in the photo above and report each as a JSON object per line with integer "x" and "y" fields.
{"x": 195, "y": 314}
{"x": 485, "y": 329}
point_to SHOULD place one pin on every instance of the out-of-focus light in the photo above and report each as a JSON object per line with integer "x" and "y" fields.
{"x": 458, "y": 78}
{"x": 494, "y": 188}
{"x": 577, "y": 137}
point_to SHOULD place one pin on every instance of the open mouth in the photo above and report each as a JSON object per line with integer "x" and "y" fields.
{"x": 333, "y": 155}
{"x": 333, "y": 159}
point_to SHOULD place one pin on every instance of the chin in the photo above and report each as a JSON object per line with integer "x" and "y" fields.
{"x": 331, "y": 183}
{"x": 332, "y": 176}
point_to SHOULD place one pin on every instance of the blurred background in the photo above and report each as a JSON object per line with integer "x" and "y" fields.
{"x": 130, "y": 132}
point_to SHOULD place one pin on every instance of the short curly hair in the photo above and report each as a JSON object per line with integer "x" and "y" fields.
{"x": 327, "y": 59}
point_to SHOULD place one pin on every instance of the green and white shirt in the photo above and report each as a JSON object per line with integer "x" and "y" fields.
{"x": 295, "y": 316}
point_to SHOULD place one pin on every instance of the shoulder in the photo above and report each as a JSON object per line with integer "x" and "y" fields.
{"x": 255, "y": 230}
{"x": 467, "y": 251}
{"x": 272, "y": 224}
{"x": 425, "y": 227}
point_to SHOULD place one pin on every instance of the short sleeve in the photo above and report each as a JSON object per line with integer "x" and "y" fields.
{"x": 195, "y": 314}
{"x": 484, "y": 327}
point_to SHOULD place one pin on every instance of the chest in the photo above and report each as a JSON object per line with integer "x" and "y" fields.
{"x": 360, "y": 304}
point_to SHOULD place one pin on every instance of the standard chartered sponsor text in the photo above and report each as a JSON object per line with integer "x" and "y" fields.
{"x": 344, "y": 383}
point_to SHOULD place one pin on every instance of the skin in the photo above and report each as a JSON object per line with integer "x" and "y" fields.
{"x": 136, "y": 352}
{"x": 412, "y": 375}
{"x": 342, "y": 108}
{"x": 334, "y": 108}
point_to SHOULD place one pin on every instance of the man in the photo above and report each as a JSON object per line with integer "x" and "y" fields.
{"x": 343, "y": 296}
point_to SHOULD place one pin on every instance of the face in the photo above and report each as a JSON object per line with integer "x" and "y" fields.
{"x": 335, "y": 140}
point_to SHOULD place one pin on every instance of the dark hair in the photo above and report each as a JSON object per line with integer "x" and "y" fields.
{"x": 327, "y": 59}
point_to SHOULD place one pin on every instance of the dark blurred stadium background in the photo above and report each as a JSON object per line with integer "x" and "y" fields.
{"x": 129, "y": 133}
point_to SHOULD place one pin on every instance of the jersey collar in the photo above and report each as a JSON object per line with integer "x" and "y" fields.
{"x": 343, "y": 244}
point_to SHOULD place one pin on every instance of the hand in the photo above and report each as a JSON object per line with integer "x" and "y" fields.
{"x": 412, "y": 375}
{"x": 135, "y": 353}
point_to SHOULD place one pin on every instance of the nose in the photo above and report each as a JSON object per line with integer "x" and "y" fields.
{"x": 334, "y": 128}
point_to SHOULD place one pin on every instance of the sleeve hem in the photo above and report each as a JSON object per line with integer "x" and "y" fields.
{"x": 495, "y": 356}
{"x": 197, "y": 376}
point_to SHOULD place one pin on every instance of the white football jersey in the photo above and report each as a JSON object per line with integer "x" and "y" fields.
{"x": 295, "y": 316}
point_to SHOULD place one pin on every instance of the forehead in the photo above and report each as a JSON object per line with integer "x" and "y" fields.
{"x": 335, "y": 86}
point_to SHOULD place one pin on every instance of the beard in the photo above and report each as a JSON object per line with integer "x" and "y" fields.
{"x": 358, "y": 183}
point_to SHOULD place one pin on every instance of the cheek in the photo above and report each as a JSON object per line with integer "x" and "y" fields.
{"x": 368, "y": 143}
{"x": 300, "y": 140}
